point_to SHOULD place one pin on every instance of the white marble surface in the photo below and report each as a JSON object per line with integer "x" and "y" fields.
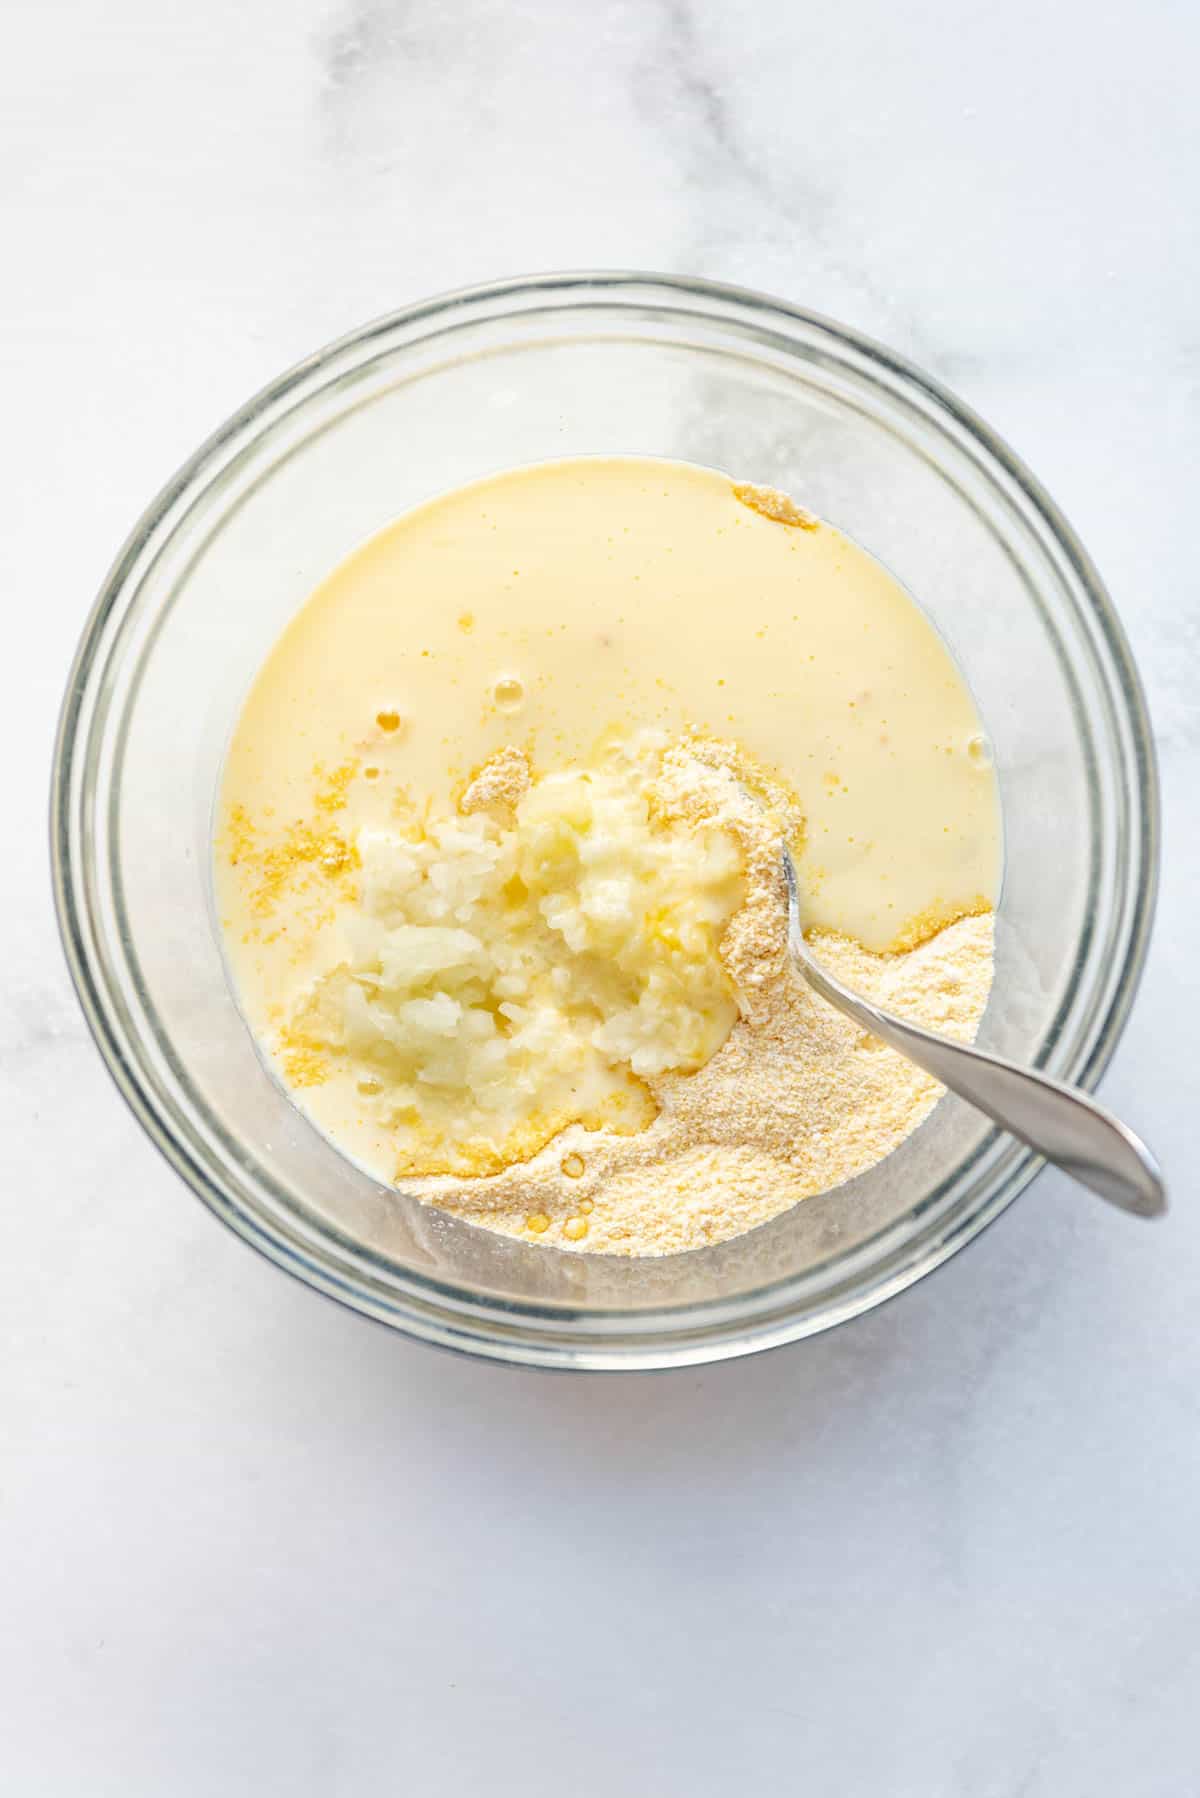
{"x": 252, "y": 1544}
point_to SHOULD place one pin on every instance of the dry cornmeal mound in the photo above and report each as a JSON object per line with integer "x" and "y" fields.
{"x": 796, "y": 1100}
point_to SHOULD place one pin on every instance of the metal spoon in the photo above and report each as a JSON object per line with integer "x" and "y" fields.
{"x": 1055, "y": 1120}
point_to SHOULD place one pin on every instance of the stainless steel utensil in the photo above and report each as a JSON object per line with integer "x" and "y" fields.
{"x": 1056, "y": 1120}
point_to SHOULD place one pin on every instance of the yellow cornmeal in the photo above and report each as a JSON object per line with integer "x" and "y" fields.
{"x": 796, "y": 1101}
{"x": 773, "y": 504}
{"x": 305, "y": 851}
{"x": 523, "y": 957}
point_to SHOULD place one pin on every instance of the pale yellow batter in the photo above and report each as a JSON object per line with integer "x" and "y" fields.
{"x": 531, "y": 617}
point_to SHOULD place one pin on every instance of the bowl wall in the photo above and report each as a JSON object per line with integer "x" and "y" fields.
{"x": 461, "y": 388}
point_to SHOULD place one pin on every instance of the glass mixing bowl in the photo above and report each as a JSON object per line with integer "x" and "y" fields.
{"x": 514, "y": 373}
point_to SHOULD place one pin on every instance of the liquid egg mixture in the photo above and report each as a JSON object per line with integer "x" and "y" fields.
{"x": 497, "y": 854}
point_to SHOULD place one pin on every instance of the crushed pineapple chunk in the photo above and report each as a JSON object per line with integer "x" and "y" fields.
{"x": 505, "y": 980}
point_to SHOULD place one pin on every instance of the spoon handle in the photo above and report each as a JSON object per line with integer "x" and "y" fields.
{"x": 1055, "y": 1120}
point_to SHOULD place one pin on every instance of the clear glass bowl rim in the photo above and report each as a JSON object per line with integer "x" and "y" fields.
{"x": 437, "y": 1311}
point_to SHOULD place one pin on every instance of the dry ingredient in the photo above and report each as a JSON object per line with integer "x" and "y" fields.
{"x": 796, "y": 1101}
